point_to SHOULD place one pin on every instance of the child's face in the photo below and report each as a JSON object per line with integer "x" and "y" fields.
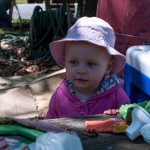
{"x": 86, "y": 64}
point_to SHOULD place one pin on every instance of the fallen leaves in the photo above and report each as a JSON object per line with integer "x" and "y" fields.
{"x": 15, "y": 59}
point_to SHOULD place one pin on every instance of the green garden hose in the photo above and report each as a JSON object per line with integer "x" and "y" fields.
{"x": 45, "y": 26}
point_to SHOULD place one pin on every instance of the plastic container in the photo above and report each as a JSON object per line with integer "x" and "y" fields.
{"x": 140, "y": 117}
{"x": 145, "y": 132}
{"x": 137, "y": 73}
{"x": 56, "y": 141}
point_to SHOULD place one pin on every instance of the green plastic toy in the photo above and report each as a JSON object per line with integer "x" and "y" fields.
{"x": 125, "y": 111}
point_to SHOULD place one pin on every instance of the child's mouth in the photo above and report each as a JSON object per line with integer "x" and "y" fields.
{"x": 82, "y": 80}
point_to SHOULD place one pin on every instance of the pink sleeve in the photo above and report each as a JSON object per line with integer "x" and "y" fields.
{"x": 52, "y": 111}
{"x": 122, "y": 97}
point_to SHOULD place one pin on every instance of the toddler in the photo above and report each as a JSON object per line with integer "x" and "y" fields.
{"x": 91, "y": 85}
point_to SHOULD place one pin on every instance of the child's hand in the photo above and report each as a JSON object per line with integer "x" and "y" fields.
{"x": 111, "y": 112}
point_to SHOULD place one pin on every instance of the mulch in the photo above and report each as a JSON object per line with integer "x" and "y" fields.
{"x": 14, "y": 55}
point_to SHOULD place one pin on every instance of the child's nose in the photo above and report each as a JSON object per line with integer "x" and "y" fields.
{"x": 81, "y": 68}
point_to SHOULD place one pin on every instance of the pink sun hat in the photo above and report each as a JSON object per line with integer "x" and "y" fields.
{"x": 93, "y": 30}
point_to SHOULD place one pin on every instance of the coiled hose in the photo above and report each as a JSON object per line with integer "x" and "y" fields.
{"x": 45, "y": 26}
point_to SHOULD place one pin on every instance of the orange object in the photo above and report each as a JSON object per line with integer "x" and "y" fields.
{"x": 115, "y": 125}
{"x": 99, "y": 126}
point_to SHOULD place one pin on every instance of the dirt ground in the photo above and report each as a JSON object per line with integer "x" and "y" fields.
{"x": 18, "y": 67}
{"x": 14, "y": 55}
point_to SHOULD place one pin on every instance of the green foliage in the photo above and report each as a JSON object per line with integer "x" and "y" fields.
{"x": 21, "y": 1}
{"x": 21, "y": 24}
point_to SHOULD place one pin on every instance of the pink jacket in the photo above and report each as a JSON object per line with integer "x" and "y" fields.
{"x": 64, "y": 104}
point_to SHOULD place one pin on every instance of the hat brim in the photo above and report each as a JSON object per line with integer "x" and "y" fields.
{"x": 57, "y": 49}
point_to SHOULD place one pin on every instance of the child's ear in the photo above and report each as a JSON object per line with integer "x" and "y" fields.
{"x": 109, "y": 67}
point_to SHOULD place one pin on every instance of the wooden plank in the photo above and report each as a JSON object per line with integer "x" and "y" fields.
{"x": 47, "y": 4}
{"x": 56, "y": 4}
{"x": 102, "y": 141}
{"x": 63, "y": 1}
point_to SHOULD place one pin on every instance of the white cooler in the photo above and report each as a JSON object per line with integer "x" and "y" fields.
{"x": 137, "y": 73}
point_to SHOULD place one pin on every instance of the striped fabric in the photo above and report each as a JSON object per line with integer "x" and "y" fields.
{"x": 12, "y": 143}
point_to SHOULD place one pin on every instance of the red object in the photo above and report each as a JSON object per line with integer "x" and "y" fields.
{"x": 130, "y": 20}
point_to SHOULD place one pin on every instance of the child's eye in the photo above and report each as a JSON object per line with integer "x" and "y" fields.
{"x": 91, "y": 65}
{"x": 73, "y": 62}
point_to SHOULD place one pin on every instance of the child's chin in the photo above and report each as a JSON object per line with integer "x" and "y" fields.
{"x": 82, "y": 87}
